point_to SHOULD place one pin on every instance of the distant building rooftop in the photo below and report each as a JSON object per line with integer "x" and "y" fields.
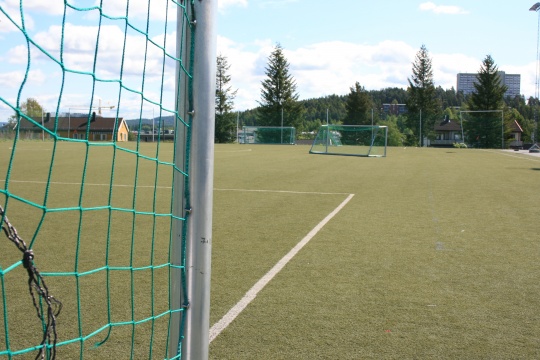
{"x": 395, "y": 109}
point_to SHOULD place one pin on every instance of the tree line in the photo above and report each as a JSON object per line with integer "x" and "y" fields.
{"x": 426, "y": 104}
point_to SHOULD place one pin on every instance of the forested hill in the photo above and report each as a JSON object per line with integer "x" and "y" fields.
{"x": 167, "y": 122}
{"x": 333, "y": 106}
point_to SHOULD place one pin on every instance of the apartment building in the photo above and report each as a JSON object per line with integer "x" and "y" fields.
{"x": 466, "y": 81}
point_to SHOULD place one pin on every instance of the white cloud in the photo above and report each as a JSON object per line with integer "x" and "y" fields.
{"x": 78, "y": 55}
{"x": 275, "y": 3}
{"x": 35, "y": 6}
{"x": 80, "y": 45}
{"x": 447, "y": 66}
{"x": 333, "y": 67}
{"x": 139, "y": 9}
{"x": 11, "y": 7}
{"x": 223, "y": 4}
{"x": 13, "y": 79}
{"x": 319, "y": 69}
{"x": 442, "y": 9}
{"x": 341, "y": 64}
{"x": 528, "y": 77}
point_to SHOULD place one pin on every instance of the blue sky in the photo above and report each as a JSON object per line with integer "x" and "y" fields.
{"x": 329, "y": 45}
{"x": 43, "y": 20}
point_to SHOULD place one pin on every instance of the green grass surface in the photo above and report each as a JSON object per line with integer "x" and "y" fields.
{"x": 436, "y": 255}
{"x": 72, "y": 241}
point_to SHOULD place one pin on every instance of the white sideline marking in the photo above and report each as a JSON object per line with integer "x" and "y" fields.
{"x": 168, "y": 187}
{"x": 284, "y": 191}
{"x": 517, "y": 155}
{"x": 78, "y": 184}
{"x": 226, "y": 320}
{"x": 233, "y": 151}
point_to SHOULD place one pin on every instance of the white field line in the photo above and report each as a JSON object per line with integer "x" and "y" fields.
{"x": 168, "y": 187}
{"x": 79, "y": 184}
{"x": 232, "y": 151}
{"x": 226, "y": 320}
{"x": 284, "y": 191}
{"x": 252, "y": 293}
{"x": 517, "y": 155}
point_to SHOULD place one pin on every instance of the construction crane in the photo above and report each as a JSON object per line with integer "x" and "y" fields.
{"x": 99, "y": 107}
{"x": 80, "y": 107}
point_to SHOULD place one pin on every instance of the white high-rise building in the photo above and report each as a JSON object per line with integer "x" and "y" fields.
{"x": 466, "y": 81}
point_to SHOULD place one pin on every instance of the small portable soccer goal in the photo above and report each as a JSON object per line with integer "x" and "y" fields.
{"x": 351, "y": 140}
{"x": 268, "y": 135}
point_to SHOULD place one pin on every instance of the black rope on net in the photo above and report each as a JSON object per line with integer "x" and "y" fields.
{"x": 38, "y": 290}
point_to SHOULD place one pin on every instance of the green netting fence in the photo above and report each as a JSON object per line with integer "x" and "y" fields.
{"x": 268, "y": 135}
{"x": 95, "y": 228}
{"x": 351, "y": 140}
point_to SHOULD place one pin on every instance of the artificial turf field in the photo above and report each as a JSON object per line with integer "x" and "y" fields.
{"x": 435, "y": 256}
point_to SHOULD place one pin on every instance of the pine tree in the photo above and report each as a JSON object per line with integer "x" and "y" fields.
{"x": 279, "y": 99}
{"x": 358, "y": 106}
{"x": 484, "y": 129}
{"x": 422, "y": 103}
{"x": 225, "y": 120}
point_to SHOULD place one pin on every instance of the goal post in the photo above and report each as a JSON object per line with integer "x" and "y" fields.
{"x": 351, "y": 140}
{"x": 268, "y": 135}
{"x": 199, "y": 197}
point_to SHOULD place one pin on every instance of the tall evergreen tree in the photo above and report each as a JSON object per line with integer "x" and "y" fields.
{"x": 422, "y": 103}
{"x": 358, "y": 106}
{"x": 225, "y": 120}
{"x": 484, "y": 129}
{"x": 279, "y": 98}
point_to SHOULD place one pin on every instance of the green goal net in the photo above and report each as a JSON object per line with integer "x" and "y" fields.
{"x": 268, "y": 135}
{"x": 97, "y": 219}
{"x": 351, "y": 140}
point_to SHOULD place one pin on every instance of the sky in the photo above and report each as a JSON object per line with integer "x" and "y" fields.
{"x": 329, "y": 45}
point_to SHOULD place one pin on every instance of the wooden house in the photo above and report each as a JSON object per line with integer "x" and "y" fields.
{"x": 516, "y": 140}
{"x": 448, "y": 132}
{"x": 96, "y": 129}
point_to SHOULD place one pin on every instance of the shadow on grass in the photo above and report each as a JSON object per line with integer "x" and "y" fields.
{"x": 535, "y": 169}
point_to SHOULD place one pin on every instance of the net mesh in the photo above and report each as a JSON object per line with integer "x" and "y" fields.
{"x": 268, "y": 135}
{"x": 353, "y": 140}
{"x": 89, "y": 218}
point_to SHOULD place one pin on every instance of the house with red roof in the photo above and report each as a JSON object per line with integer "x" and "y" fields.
{"x": 97, "y": 128}
{"x": 448, "y": 132}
